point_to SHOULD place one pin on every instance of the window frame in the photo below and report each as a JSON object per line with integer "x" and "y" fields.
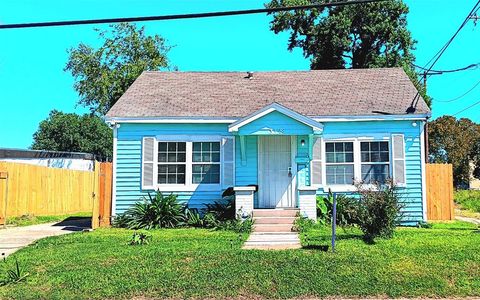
{"x": 211, "y": 163}
{"x": 326, "y": 164}
{"x": 188, "y": 186}
{"x": 357, "y": 161}
{"x": 388, "y": 163}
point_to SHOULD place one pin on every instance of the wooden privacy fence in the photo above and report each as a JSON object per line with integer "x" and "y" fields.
{"x": 41, "y": 191}
{"x": 439, "y": 180}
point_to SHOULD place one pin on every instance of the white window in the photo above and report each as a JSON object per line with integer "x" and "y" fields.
{"x": 206, "y": 162}
{"x": 340, "y": 168}
{"x": 375, "y": 161}
{"x": 171, "y": 162}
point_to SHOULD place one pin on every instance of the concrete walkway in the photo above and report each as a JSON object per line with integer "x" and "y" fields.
{"x": 466, "y": 219}
{"x": 14, "y": 238}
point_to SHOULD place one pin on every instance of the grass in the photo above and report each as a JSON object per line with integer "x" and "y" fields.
{"x": 196, "y": 263}
{"x": 27, "y": 220}
{"x": 468, "y": 200}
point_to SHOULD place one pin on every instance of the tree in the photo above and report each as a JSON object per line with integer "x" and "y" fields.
{"x": 369, "y": 35}
{"x": 74, "y": 133}
{"x": 456, "y": 142}
{"x": 102, "y": 75}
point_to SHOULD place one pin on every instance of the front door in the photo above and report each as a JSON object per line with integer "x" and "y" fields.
{"x": 275, "y": 172}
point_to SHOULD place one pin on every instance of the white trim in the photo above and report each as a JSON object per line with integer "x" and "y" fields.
{"x": 403, "y": 184}
{"x": 188, "y": 186}
{"x": 188, "y": 138}
{"x": 244, "y": 188}
{"x": 371, "y": 118}
{"x": 357, "y": 162}
{"x": 229, "y": 120}
{"x": 424, "y": 174}
{"x": 171, "y": 120}
{"x": 281, "y": 109}
{"x": 114, "y": 172}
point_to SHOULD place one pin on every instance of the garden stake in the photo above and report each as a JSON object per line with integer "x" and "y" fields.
{"x": 334, "y": 221}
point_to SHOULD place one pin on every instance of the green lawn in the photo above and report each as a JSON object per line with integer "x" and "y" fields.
{"x": 468, "y": 200}
{"x": 196, "y": 263}
{"x": 27, "y": 220}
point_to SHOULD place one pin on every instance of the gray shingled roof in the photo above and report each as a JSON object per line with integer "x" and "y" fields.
{"x": 231, "y": 94}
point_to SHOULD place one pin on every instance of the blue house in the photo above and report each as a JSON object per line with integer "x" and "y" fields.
{"x": 278, "y": 138}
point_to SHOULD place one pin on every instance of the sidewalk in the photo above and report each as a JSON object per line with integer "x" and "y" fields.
{"x": 12, "y": 239}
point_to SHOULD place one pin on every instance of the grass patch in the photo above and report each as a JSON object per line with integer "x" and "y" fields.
{"x": 196, "y": 263}
{"x": 27, "y": 220}
{"x": 468, "y": 200}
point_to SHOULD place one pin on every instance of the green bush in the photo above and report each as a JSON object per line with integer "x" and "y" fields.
{"x": 379, "y": 210}
{"x": 347, "y": 211}
{"x": 324, "y": 208}
{"x": 302, "y": 224}
{"x": 153, "y": 213}
{"x": 468, "y": 199}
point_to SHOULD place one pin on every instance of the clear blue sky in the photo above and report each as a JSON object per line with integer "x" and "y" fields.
{"x": 32, "y": 80}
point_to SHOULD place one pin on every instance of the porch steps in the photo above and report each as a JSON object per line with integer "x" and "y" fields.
{"x": 272, "y": 230}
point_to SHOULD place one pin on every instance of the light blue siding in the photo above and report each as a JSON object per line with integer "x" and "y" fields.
{"x": 275, "y": 123}
{"x": 411, "y": 194}
{"x": 129, "y": 159}
{"x": 129, "y": 155}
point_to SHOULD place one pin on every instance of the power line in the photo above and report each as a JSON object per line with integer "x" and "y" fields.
{"x": 442, "y": 50}
{"x": 438, "y": 72}
{"x": 186, "y": 16}
{"x": 468, "y": 107}
{"x": 461, "y": 96}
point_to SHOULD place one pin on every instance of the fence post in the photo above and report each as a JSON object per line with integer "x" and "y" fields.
{"x": 4, "y": 176}
{"x": 95, "y": 196}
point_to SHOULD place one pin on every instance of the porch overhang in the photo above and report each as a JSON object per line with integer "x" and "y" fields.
{"x": 276, "y": 119}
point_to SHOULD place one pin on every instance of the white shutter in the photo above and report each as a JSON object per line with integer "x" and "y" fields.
{"x": 316, "y": 173}
{"x": 148, "y": 163}
{"x": 398, "y": 156}
{"x": 228, "y": 162}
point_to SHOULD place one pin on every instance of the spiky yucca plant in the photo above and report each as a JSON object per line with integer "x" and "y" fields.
{"x": 155, "y": 212}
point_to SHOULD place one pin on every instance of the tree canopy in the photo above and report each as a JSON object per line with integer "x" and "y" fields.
{"x": 74, "y": 133}
{"x": 369, "y": 35}
{"x": 103, "y": 74}
{"x": 456, "y": 142}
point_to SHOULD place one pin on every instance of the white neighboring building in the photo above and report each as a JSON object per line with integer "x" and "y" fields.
{"x": 53, "y": 159}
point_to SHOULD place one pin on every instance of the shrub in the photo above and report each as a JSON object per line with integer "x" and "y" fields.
{"x": 222, "y": 210}
{"x": 154, "y": 212}
{"x": 379, "y": 210}
{"x": 324, "y": 208}
{"x": 347, "y": 211}
{"x": 140, "y": 238}
{"x": 302, "y": 224}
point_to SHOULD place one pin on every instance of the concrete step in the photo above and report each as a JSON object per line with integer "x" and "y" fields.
{"x": 272, "y": 238}
{"x": 275, "y": 212}
{"x": 274, "y": 220}
{"x": 272, "y": 245}
{"x": 272, "y": 227}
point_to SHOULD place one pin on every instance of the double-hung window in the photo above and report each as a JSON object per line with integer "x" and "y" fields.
{"x": 206, "y": 162}
{"x": 172, "y": 162}
{"x": 339, "y": 162}
{"x": 375, "y": 161}
{"x": 188, "y": 163}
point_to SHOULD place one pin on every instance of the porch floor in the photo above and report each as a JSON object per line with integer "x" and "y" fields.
{"x": 272, "y": 230}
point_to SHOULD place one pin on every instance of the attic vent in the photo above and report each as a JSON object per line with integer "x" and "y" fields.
{"x": 249, "y": 75}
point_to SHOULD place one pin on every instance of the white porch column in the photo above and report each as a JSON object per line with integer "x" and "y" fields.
{"x": 307, "y": 202}
{"x": 244, "y": 201}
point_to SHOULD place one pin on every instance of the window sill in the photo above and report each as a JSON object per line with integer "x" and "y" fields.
{"x": 187, "y": 188}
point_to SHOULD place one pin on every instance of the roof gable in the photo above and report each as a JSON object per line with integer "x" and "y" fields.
{"x": 275, "y": 119}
